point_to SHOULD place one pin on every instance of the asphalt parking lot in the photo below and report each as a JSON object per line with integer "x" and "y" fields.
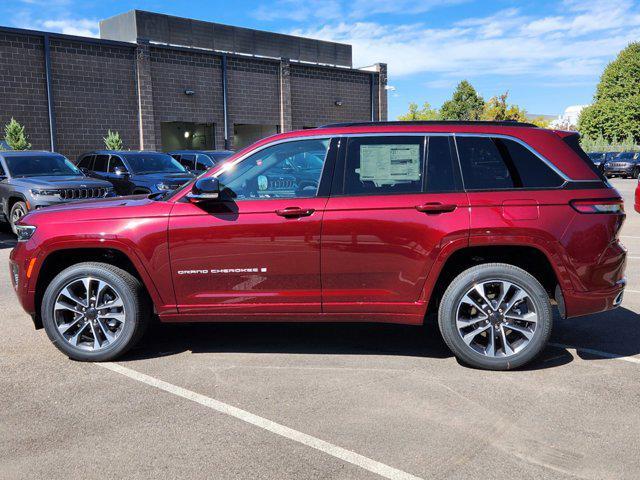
{"x": 324, "y": 401}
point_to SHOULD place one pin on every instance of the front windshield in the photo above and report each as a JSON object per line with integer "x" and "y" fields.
{"x": 40, "y": 165}
{"x": 154, "y": 163}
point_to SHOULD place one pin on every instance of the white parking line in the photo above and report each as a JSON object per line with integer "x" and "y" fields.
{"x": 599, "y": 353}
{"x": 633, "y": 257}
{"x": 338, "y": 452}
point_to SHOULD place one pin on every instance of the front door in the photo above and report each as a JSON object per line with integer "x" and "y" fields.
{"x": 257, "y": 248}
{"x": 400, "y": 202}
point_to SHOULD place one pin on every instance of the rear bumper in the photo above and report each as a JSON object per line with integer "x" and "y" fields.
{"x": 587, "y": 303}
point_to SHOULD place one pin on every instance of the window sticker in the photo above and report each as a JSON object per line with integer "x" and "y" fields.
{"x": 389, "y": 164}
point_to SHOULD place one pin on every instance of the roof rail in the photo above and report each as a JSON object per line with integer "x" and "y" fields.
{"x": 505, "y": 123}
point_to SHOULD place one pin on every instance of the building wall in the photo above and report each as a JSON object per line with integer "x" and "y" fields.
{"x": 94, "y": 90}
{"x": 253, "y": 92}
{"x": 23, "y": 91}
{"x": 174, "y": 71}
{"x": 315, "y": 91}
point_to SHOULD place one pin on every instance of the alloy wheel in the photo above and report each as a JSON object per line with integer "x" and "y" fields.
{"x": 89, "y": 314}
{"x": 496, "y": 318}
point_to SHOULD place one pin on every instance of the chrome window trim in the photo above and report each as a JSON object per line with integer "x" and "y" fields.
{"x": 555, "y": 169}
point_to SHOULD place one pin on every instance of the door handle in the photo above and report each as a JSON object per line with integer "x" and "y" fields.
{"x": 436, "y": 207}
{"x": 295, "y": 212}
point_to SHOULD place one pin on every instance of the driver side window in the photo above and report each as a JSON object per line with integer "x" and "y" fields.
{"x": 287, "y": 170}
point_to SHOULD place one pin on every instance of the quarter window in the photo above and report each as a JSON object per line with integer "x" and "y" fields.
{"x": 384, "y": 165}
{"x": 276, "y": 172}
{"x": 498, "y": 163}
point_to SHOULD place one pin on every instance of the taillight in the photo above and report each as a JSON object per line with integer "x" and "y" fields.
{"x": 598, "y": 205}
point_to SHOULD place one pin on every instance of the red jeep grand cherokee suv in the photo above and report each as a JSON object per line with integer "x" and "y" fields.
{"x": 486, "y": 225}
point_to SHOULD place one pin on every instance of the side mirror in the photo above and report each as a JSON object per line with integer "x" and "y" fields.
{"x": 204, "y": 190}
{"x": 122, "y": 173}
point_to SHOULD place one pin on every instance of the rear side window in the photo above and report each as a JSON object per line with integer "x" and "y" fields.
{"x": 498, "y": 163}
{"x": 86, "y": 162}
{"x": 384, "y": 165}
{"x": 442, "y": 172}
{"x": 100, "y": 165}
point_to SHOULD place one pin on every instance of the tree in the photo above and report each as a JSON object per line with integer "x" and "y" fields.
{"x": 113, "y": 141}
{"x": 465, "y": 104}
{"x": 497, "y": 109}
{"x": 424, "y": 113}
{"x": 615, "y": 113}
{"x": 15, "y": 137}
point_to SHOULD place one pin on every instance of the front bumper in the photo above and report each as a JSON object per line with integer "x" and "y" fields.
{"x": 21, "y": 262}
{"x": 619, "y": 171}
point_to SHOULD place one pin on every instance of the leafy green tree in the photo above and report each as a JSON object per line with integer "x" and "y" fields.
{"x": 465, "y": 104}
{"x": 497, "y": 109}
{"x": 113, "y": 141}
{"x": 424, "y": 113}
{"x": 15, "y": 137}
{"x": 615, "y": 113}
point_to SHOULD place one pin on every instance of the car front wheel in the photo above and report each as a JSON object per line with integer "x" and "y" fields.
{"x": 94, "y": 311}
{"x": 18, "y": 210}
{"x": 495, "y": 316}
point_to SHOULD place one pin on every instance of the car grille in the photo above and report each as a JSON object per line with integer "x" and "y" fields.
{"x": 80, "y": 193}
{"x": 618, "y": 164}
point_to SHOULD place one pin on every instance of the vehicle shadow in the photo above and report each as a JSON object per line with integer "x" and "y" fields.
{"x": 7, "y": 238}
{"x": 293, "y": 338}
{"x": 615, "y": 332}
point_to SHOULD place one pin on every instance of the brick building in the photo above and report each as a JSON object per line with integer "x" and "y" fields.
{"x": 167, "y": 83}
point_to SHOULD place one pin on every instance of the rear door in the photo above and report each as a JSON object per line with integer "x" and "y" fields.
{"x": 397, "y": 201}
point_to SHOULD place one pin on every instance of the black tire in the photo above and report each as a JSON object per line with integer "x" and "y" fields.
{"x": 131, "y": 291}
{"x": 447, "y": 315}
{"x": 18, "y": 210}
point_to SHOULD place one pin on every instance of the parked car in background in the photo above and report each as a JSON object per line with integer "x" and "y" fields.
{"x": 624, "y": 164}
{"x": 31, "y": 180}
{"x": 199, "y": 161}
{"x": 4, "y": 145}
{"x": 135, "y": 172}
{"x": 468, "y": 221}
{"x": 598, "y": 159}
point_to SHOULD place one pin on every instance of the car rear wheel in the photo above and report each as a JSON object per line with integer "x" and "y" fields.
{"x": 95, "y": 311}
{"x": 495, "y": 316}
{"x": 18, "y": 210}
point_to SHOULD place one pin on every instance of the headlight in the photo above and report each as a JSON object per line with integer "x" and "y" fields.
{"x": 163, "y": 186}
{"x": 44, "y": 192}
{"x": 25, "y": 232}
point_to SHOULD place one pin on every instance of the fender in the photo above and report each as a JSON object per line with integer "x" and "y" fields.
{"x": 550, "y": 250}
{"x": 5, "y": 202}
{"x": 162, "y": 304}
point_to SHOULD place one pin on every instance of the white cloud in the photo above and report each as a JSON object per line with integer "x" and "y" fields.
{"x": 84, "y": 27}
{"x": 80, "y": 26}
{"x": 562, "y": 46}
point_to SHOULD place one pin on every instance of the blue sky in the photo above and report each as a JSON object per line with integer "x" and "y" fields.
{"x": 547, "y": 54}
